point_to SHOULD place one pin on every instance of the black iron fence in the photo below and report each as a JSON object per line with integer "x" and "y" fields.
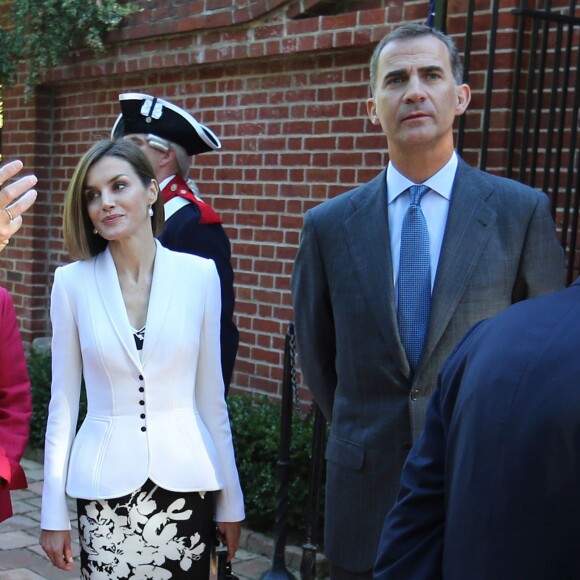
{"x": 543, "y": 148}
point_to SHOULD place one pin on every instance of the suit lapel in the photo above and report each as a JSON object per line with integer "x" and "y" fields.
{"x": 109, "y": 292}
{"x": 367, "y": 234}
{"x": 159, "y": 300}
{"x": 469, "y": 225}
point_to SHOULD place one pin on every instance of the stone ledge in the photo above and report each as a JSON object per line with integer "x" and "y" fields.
{"x": 262, "y": 544}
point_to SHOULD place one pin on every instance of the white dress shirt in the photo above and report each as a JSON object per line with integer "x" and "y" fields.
{"x": 435, "y": 207}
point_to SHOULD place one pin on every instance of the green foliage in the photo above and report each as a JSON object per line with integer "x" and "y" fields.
{"x": 256, "y": 433}
{"x": 40, "y": 375}
{"x": 44, "y": 32}
{"x": 39, "y": 369}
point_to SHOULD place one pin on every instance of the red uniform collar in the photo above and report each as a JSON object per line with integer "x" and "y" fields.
{"x": 178, "y": 187}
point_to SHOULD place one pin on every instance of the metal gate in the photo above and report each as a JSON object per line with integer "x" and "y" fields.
{"x": 543, "y": 147}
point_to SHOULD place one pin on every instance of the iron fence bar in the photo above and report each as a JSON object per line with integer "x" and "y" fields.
{"x": 573, "y": 253}
{"x": 573, "y": 238}
{"x": 529, "y": 91}
{"x": 542, "y": 15}
{"x": 540, "y": 98}
{"x": 555, "y": 77}
{"x": 550, "y": 32}
{"x": 552, "y": 120}
{"x": 489, "y": 85}
{"x": 440, "y": 16}
{"x": 560, "y": 131}
{"x": 310, "y": 546}
{"x": 555, "y": 124}
{"x": 466, "y": 68}
{"x": 572, "y": 153}
{"x": 278, "y": 571}
{"x": 515, "y": 99}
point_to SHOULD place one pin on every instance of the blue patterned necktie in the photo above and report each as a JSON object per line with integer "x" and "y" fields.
{"x": 414, "y": 278}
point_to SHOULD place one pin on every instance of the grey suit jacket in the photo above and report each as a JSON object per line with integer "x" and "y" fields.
{"x": 499, "y": 248}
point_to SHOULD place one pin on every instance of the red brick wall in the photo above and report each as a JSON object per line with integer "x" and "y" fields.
{"x": 283, "y": 84}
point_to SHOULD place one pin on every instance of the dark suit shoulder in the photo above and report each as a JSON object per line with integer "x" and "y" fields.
{"x": 188, "y": 215}
{"x": 183, "y": 232}
{"x": 519, "y": 331}
{"x": 552, "y": 309}
{"x": 509, "y": 190}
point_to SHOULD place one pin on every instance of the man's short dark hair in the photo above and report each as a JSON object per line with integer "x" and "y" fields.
{"x": 408, "y": 31}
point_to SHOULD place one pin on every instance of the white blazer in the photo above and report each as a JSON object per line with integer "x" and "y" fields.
{"x": 161, "y": 415}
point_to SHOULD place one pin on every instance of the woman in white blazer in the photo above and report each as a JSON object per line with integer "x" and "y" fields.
{"x": 153, "y": 464}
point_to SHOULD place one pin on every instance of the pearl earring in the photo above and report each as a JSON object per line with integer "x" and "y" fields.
{"x": 150, "y": 211}
{"x": 95, "y": 230}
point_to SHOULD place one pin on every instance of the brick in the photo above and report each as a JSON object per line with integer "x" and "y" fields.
{"x": 287, "y": 98}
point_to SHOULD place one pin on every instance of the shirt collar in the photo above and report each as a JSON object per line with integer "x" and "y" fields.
{"x": 165, "y": 182}
{"x": 441, "y": 182}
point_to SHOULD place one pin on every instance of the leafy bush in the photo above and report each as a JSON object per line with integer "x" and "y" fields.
{"x": 44, "y": 32}
{"x": 40, "y": 376}
{"x": 256, "y": 432}
{"x": 39, "y": 369}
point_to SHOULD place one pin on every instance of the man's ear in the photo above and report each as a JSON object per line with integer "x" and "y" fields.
{"x": 153, "y": 191}
{"x": 372, "y": 111}
{"x": 463, "y": 98}
{"x": 167, "y": 157}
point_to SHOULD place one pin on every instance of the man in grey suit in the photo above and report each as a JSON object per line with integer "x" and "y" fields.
{"x": 490, "y": 242}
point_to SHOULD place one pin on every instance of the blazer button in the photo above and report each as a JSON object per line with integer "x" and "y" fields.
{"x": 143, "y": 428}
{"x": 415, "y": 394}
{"x": 140, "y": 377}
{"x": 141, "y": 402}
{"x": 141, "y": 389}
{"x": 142, "y": 415}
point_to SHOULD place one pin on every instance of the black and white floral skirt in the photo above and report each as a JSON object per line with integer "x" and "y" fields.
{"x": 150, "y": 533}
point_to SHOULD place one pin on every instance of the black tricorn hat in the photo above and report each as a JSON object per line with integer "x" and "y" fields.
{"x": 145, "y": 114}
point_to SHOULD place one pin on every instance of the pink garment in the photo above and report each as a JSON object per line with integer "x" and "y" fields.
{"x": 15, "y": 405}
